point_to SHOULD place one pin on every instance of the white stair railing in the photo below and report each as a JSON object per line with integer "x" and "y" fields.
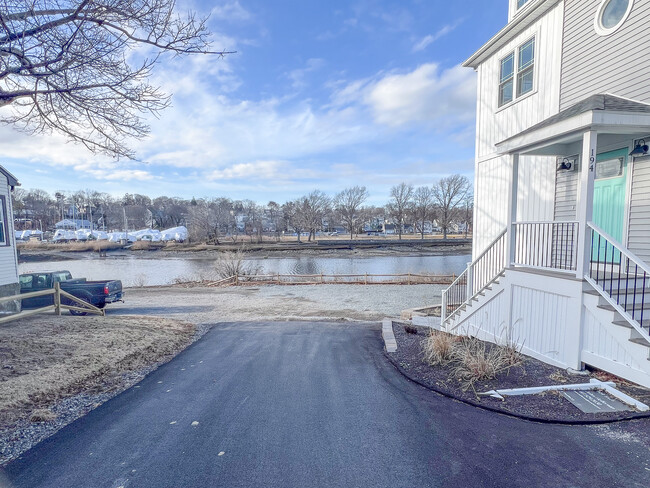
{"x": 480, "y": 274}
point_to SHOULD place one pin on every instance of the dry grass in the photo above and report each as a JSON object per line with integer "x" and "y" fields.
{"x": 470, "y": 359}
{"x": 147, "y": 246}
{"x": 69, "y": 246}
{"x": 438, "y": 347}
{"x": 42, "y": 415}
{"x": 231, "y": 263}
{"x": 474, "y": 361}
{"x": 47, "y": 358}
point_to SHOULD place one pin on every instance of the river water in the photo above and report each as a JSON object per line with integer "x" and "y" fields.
{"x": 138, "y": 271}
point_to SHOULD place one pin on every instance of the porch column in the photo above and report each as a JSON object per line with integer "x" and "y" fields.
{"x": 585, "y": 208}
{"x": 511, "y": 241}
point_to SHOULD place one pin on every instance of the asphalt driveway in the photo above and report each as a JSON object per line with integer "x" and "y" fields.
{"x": 310, "y": 405}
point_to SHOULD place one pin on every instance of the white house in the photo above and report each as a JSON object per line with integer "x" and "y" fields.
{"x": 562, "y": 204}
{"x": 8, "y": 258}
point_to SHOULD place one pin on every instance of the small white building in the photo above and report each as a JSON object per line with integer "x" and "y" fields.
{"x": 8, "y": 257}
{"x": 562, "y": 187}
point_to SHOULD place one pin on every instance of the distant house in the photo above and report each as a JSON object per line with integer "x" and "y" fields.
{"x": 76, "y": 224}
{"x": 8, "y": 257}
{"x": 561, "y": 241}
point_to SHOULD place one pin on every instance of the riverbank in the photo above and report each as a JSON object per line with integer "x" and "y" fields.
{"x": 30, "y": 252}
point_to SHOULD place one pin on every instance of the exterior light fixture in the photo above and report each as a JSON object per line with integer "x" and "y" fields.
{"x": 565, "y": 165}
{"x": 640, "y": 149}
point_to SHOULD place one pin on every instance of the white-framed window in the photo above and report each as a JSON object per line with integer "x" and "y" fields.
{"x": 611, "y": 14}
{"x": 507, "y": 79}
{"x": 526, "y": 67}
{"x": 523, "y": 64}
{"x": 521, "y": 3}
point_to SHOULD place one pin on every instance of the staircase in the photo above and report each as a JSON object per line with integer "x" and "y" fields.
{"x": 613, "y": 332}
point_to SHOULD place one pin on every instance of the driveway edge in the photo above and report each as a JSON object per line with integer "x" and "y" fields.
{"x": 388, "y": 335}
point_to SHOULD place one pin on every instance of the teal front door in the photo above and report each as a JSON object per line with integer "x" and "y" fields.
{"x": 609, "y": 196}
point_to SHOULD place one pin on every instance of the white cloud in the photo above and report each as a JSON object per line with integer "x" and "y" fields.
{"x": 231, "y": 11}
{"x": 219, "y": 140}
{"x": 425, "y": 95}
{"x": 267, "y": 170}
{"x": 120, "y": 175}
{"x": 426, "y": 41}
{"x": 297, "y": 76}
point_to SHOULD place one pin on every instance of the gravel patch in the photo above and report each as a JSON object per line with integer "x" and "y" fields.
{"x": 277, "y": 302}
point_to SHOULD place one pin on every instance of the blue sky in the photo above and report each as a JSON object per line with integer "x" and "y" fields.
{"x": 320, "y": 95}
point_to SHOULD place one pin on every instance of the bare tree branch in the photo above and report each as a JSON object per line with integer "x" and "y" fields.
{"x": 65, "y": 67}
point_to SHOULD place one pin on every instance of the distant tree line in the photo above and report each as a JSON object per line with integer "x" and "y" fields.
{"x": 445, "y": 206}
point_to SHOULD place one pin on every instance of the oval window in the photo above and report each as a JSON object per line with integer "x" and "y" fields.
{"x": 611, "y": 14}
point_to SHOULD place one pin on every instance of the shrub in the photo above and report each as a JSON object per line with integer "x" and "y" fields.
{"x": 232, "y": 263}
{"x": 42, "y": 415}
{"x": 476, "y": 362}
{"x": 141, "y": 246}
{"x": 438, "y": 347}
{"x": 409, "y": 329}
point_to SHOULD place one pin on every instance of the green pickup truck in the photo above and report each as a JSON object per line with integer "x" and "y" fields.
{"x": 97, "y": 293}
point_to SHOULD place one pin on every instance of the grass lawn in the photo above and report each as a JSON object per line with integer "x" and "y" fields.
{"x": 46, "y": 358}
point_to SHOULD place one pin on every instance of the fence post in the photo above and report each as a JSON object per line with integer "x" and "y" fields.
{"x": 366, "y": 279}
{"x": 443, "y": 310}
{"x": 511, "y": 236}
{"x": 57, "y": 298}
{"x": 470, "y": 281}
{"x": 408, "y": 280}
{"x": 321, "y": 278}
{"x": 237, "y": 279}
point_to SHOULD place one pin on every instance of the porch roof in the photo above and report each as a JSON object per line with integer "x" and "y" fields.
{"x": 604, "y": 113}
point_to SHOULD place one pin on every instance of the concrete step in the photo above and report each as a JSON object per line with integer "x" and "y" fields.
{"x": 641, "y": 341}
{"x": 624, "y": 323}
{"x": 622, "y": 284}
{"x": 636, "y": 308}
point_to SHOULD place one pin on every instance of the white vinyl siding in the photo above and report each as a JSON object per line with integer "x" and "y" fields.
{"x": 534, "y": 196}
{"x": 618, "y": 64}
{"x": 566, "y": 195}
{"x": 639, "y": 222}
{"x": 8, "y": 259}
{"x": 535, "y": 189}
{"x": 495, "y": 124}
{"x": 490, "y": 201}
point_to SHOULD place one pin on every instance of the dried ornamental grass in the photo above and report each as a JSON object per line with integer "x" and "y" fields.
{"x": 438, "y": 347}
{"x": 473, "y": 362}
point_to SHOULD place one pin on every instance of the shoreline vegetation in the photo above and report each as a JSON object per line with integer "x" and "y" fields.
{"x": 34, "y": 251}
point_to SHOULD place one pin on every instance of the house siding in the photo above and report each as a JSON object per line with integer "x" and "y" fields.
{"x": 495, "y": 124}
{"x": 618, "y": 64}
{"x": 8, "y": 259}
{"x": 493, "y": 172}
{"x": 491, "y": 201}
{"x": 536, "y": 181}
{"x": 566, "y": 194}
{"x": 639, "y": 220}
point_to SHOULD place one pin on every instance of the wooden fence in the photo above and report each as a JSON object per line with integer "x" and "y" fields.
{"x": 58, "y": 305}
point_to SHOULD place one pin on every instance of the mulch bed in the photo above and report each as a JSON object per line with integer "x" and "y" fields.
{"x": 550, "y": 406}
